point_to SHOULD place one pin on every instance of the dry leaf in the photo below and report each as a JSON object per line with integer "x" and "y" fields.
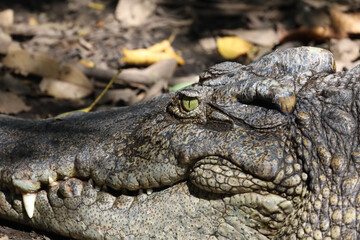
{"x": 10, "y": 103}
{"x": 153, "y": 54}
{"x": 72, "y": 84}
{"x": 33, "y": 21}
{"x": 74, "y": 76}
{"x": 233, "y": 47}
{"x": 115, "y": 95}
{"x": 208, "y": 44}
{"x": 64, "y": 90}
{"x": 5, "y": 41}
{"x": 26, "y": 63}
{"x": 163, "y": 69}
{"x": 262, "y": 37}
{"x": 346, "y": 22}
{"x": 134, "y": 12}
{"x": 310, "y": 33}
{"x": 160, "y": 47}
{"x": 98, "y": 6}
{"x": 345, "y": 51}
{"x": 6, "y": 18}
{"x": 87, "y": 63}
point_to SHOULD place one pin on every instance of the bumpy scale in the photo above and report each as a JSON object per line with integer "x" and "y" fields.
{"x": 264, "y": 151}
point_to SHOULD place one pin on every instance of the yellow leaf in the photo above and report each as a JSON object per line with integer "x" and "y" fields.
{"x": 33, "y": 21}
{"x": 82, "y": 32}
{"x": 87, "y": 63}
{"x": 152, "y": 54}
{"x": 233, "y": 47}
{"x": 160, "y": 47}
{"x": 97, "y": 6}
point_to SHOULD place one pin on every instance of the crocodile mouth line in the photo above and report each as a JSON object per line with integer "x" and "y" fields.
{"x": 70, "y": 188}
{"x": 212, "y": 173}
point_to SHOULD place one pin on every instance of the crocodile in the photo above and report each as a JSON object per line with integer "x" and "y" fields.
{"x": 268, "y": 150}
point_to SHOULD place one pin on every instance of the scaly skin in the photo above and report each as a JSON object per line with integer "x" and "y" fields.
{"x": 264, "y": 151}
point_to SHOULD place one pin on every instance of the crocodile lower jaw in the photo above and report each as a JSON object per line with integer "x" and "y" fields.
{"x": 79, "y": 210}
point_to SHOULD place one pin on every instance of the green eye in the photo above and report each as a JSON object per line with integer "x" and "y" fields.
{"x": 189, "y": 103}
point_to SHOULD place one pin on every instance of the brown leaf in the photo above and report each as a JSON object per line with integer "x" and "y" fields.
{"x": 5, "y": 41}
{"x": 310, "y": 33}
{"x": 26, "y": 63}
{"x": 161, "y": 70}
{"x": 347, "y": 22}
{"x": 64, "y": 90}
{"x": 74, "y": 76}
{"x": 134, "y": 12}
{"x": 6, "y": 18}
{"x": 345, "y": 51}
{"x": 10, "y": 103}
{"x": 262, "y": 37}
{"x": 115, "y": 95}
{"x": 72, "y": 84}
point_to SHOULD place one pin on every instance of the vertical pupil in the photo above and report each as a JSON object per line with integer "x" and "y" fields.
{"x": 189, "y": 103}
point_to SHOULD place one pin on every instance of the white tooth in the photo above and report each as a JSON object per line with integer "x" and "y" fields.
{"x": 91, "y": 182}
{"x": 29, "y": 203}
{"x": 141, "y": 191}
{"x": 149, "y": 191}
{"x": 51, "y": 180}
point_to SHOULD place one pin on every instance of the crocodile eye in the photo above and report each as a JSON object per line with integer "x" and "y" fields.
{"x": 189, "y": 103}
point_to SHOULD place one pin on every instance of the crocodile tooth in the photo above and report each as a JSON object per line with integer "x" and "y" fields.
{"x": 52, "y": 182}
{"x": 141, "y": 191}
{"x": 90, "y": 181}
{"x": 29, "y": 203}
{"x": 149, "y": 191}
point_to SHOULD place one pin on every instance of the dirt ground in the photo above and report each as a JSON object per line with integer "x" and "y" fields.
{"x": 89, "y": 36}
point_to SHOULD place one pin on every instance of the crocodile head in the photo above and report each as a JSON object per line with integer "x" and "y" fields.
{"x": 261, "y": 151}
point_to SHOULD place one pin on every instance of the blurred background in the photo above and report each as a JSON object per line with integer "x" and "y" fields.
{"x": 57, "y": 56}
